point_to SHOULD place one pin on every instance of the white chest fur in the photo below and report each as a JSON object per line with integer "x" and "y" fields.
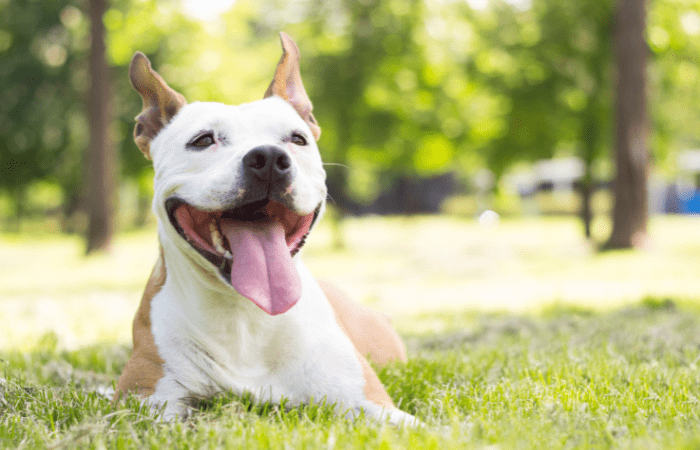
{"x": 213, "y": 342}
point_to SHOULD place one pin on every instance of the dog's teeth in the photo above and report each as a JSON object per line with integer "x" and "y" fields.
{"x": 227, "y": 255}
{"x": 216, "y": 238}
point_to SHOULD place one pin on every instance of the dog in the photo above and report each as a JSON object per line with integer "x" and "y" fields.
{"x": 229, "y": 306}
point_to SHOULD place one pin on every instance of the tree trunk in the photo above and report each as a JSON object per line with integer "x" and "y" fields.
{"x": 586, "y": 207}
{"x": 591, "y": 132}
{"x": 630, "y": 187}
{"x": 101, "y": 171}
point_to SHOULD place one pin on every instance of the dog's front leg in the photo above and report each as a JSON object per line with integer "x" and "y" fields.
{"x": 170, "y": 400}
{"x": 378, "y": 405}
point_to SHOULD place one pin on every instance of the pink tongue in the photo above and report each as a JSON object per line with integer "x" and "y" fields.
{"x": 262, "y": 270}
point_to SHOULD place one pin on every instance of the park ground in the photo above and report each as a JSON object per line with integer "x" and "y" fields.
{"x": 520, "y": 335}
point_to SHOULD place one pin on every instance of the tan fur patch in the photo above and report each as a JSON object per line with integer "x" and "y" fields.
{"x": 287, "y": 84}
{"x": 374, "y": 389}
{"x": 371, "y": 334}
{"x": 160, "y": 102}
{"x": 144, "y": 368}
{"x": 370, "y": 331}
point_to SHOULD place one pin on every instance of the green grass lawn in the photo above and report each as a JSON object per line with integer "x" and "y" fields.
{"x": 518, "y": 337}
{"x": 565, "y": 378}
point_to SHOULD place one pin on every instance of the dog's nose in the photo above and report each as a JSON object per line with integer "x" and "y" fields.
{"x": 268, "y": 162}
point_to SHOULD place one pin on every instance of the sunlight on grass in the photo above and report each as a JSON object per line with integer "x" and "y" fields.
{"x": 407, "y": 266}
{"x": 564, "y": 379}
{"x": 401, "y": 266}
{"x": 48, "y": 285}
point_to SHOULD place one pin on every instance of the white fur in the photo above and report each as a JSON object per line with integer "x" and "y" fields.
{"x": 206, "y": 177}
{"x": 211, "y": 338}
{"x": 220, "y": 343}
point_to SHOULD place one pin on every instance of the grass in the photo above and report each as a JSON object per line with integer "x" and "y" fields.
{"x": 562, "y": 379}
{"x": 519, "y": 336}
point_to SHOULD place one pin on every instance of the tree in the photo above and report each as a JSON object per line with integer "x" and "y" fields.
{"x": 41, "y": 128}
{"x": 399, "y": 88}
{"x": 631, "y": 155}
{"x": 550, "y": 64}
{"x": 101, "y": 173}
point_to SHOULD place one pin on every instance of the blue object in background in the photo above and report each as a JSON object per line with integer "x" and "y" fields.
{"x": 681, "y": 201}
{"x": 691, "y": 205}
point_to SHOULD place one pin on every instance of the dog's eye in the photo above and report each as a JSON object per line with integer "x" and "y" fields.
{"x": 202, "y": 141}
{"x": 298, "y": 139}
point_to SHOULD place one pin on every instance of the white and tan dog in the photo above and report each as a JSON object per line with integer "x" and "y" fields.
{"x": 229, "y": 305}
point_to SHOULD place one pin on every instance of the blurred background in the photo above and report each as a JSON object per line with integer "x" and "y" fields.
{"x": 482, "y": 154}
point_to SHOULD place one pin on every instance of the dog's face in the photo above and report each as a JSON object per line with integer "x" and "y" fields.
{"x": 236, "y": 187}
{"x": 218, "y": 157}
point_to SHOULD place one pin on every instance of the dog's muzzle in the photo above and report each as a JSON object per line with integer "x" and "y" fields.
{"x": 252, "y": 241}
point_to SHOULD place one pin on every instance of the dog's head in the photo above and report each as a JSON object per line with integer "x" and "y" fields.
{"x": 237, "y": 188}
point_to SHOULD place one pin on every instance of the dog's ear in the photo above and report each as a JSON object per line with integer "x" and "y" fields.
{"x": 287, "y": 84}
{"x": 160, "y": 102}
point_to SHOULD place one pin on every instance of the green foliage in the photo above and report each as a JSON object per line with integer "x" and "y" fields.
{"x": 42, "y": 131}
{"x": 376, "y": 96}
{"x": 551, "y": 66}
{"x": 673, "y": 31}
{"x": 400, "y": 87}
{"x": 569, "y": 379}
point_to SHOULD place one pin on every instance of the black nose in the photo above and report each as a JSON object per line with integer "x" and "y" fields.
{"x": 267, "y": 163}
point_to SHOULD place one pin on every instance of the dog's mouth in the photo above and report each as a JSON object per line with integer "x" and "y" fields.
{"x": 251, "y": 245}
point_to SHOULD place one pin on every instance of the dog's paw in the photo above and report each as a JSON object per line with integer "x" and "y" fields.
{"x": 105, "y": 391}
{"x": 392, "y": 416}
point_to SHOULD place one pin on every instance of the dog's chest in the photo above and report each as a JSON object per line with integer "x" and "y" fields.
{"x": 212, "y": 344}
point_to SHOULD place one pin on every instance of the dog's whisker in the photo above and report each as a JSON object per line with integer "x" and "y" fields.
{"x": 344, "y": 166}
